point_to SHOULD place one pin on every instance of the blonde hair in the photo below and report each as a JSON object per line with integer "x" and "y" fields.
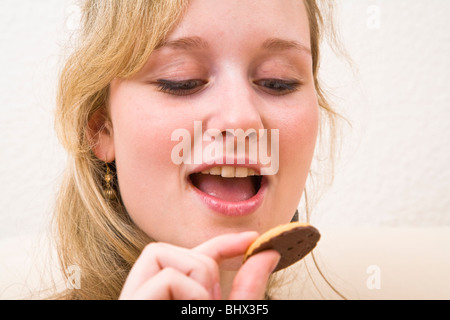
{"x": 93, "y": 233}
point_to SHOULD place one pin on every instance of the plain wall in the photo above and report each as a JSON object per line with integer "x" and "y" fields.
{"x": 395, "y": 166}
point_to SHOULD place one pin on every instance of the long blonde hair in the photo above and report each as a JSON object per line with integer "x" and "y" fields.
{"x": 115, "y": 41}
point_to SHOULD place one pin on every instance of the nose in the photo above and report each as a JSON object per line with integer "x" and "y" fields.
{"x": 234, "y": 106}
{"x": 234, "y": 112}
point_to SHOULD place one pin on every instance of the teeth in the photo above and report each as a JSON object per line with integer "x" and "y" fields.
{"x": 216, "y": 171}
{"x": 230, "y": 172}
{"x": 241, "y": 172}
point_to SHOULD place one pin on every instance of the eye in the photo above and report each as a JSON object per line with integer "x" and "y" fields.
{"x": 278, "y": 87}
{"x": 180, "y": 88}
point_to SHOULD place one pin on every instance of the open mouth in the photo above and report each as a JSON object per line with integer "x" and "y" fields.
{"x": 227, "y": 183}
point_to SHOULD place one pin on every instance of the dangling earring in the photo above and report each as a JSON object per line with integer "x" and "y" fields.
{"x": 295, "y": 218}
{"x": 108, "y": 192}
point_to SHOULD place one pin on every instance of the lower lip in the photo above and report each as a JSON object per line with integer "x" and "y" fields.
{"x": 233, "y": 209}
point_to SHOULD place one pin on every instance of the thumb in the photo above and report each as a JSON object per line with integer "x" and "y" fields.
{"x": 250, "y": 282}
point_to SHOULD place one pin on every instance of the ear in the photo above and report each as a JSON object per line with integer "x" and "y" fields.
{"x": 101, "y": 135}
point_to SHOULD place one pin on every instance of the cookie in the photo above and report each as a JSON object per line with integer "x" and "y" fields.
{"x": 293, "y": 241}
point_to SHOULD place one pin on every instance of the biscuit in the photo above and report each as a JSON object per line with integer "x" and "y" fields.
{"x": 293, "y": 241}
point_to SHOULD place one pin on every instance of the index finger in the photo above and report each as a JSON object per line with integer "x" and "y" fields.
{"x": 227, "y": 246}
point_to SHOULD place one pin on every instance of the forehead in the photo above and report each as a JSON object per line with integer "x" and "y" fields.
{"x": 243, "y": 21}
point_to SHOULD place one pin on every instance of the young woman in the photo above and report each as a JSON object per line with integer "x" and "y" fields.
{"x": 157, "y": 202}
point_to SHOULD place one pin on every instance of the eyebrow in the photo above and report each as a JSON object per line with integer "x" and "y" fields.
{"x": 187, "y": 43}
{"x": 277, "y": 44}
{"x": 272, "y": 44}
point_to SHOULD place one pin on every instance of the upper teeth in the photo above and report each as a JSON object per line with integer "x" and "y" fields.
{"x": 230, "y": 172}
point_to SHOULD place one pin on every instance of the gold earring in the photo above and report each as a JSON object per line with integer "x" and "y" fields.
{"x": 108, "y": 192}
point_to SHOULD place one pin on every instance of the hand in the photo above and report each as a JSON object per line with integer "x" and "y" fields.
{"x": 167, "y": 272}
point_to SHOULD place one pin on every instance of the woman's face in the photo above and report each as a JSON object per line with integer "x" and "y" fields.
{"x": 229, "y": 65}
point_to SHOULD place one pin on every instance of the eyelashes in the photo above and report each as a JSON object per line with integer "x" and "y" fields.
{"x": 180, "y": 88}
{"x": 276, "y": 87}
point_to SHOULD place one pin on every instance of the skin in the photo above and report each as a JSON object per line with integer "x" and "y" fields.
{"x": 198, "y": 252}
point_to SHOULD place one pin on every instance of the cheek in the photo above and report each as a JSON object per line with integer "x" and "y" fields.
{"x": 298, "y": 138}
{"x": 299, "y": 135}
{"x": 142, "y": 140}
{"x": 143, "y": 127}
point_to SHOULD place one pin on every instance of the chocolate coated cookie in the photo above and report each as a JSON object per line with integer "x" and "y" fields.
{"x": 293, "y": 241}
